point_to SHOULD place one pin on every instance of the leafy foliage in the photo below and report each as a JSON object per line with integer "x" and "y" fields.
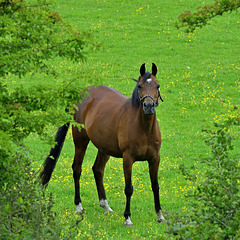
{"x": 25, "y": 111}
{"x": 25, "y": 210}
{"x": 204, "y": 14}
{"x": 31, "y": 34}
{"x": 214, "y": 207}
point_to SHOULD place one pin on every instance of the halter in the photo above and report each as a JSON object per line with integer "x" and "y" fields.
{"x": 148, "y": 95}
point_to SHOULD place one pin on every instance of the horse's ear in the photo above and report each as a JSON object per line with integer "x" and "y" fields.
{"x": 154, "y": 69}
{"x": 142, "y": 70}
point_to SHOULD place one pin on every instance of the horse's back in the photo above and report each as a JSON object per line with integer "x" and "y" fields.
{"x": 99, "y": 100}
{"x": 103, "y": 94}
{"x": 100, "y": 112}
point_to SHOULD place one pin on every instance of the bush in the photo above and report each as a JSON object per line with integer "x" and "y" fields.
{"x": 214, "y": 207}
{"x": 31, "y": 34}
{"x": 26, "y": 213}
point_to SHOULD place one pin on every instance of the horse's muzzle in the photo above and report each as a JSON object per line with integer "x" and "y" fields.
{"x": 149, "y": 108}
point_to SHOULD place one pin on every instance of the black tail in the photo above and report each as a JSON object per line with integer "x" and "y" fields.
{"x": 51, "y": 160}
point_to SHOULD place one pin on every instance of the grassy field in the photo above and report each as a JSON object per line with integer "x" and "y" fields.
{"x": 199, "y": 78}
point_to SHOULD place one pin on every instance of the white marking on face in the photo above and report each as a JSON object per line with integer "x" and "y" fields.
{"x": 149, "y": 80}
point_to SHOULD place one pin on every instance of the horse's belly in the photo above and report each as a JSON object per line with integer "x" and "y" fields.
{"x": 107, "y": 146}
{"x": 103, "y": 136}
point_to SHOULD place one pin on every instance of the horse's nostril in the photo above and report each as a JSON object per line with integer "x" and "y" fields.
{"x": 148, "y": 104}
{"x": 148, "y": 108}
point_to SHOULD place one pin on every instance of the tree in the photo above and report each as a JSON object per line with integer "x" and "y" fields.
{"x": 200, "y": 18}
{"x": 30, "y": 35}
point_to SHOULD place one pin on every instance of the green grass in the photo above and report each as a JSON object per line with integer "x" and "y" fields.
{"x": 199, "y": 78}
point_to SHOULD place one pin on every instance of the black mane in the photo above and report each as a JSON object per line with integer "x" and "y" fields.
{"x": 135, "y": 95}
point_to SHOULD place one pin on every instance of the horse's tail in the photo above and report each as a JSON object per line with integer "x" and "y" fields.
{"x": 51, "y": 160}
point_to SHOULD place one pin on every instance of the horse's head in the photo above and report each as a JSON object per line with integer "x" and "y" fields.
{"x": 147, "y": 90}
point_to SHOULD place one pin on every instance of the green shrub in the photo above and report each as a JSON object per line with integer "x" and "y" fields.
{"x": 26, "y": 213}
{"x": 31, "y": 35}
{"x": 214, "y": 208}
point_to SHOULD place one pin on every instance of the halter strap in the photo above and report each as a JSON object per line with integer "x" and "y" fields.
{"x": 148, "y": 95}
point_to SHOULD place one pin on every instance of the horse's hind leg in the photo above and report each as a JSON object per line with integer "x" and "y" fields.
{"x": 81, "y": 141}
{"x": 98, "y": 170}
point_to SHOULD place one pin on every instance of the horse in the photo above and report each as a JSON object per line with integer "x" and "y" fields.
{"x": 118, "y": 126}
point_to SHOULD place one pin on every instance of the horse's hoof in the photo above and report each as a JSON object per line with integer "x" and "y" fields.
{"x": 104, "y": 204}
{"x": 161, "y": 220}
{"x": 79, "y": 209}
{"x": 128, "y": 223}
{"x": 160, "y": 217}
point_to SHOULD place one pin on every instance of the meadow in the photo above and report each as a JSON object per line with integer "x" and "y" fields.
{"x": 199, "y": 78}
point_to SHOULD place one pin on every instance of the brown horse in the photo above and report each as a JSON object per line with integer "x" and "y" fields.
{"x": 118, "y": 126}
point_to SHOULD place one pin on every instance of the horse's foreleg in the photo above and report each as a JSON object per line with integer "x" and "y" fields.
{"x": 127, "y": 167}
{"x": 98, "y": 170}
{"x": 153, "y": 170}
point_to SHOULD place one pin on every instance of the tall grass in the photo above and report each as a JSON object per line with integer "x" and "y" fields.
{"x": 199, "y": 78}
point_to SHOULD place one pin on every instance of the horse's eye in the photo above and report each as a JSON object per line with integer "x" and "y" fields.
{"x": 139, "y": 86}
